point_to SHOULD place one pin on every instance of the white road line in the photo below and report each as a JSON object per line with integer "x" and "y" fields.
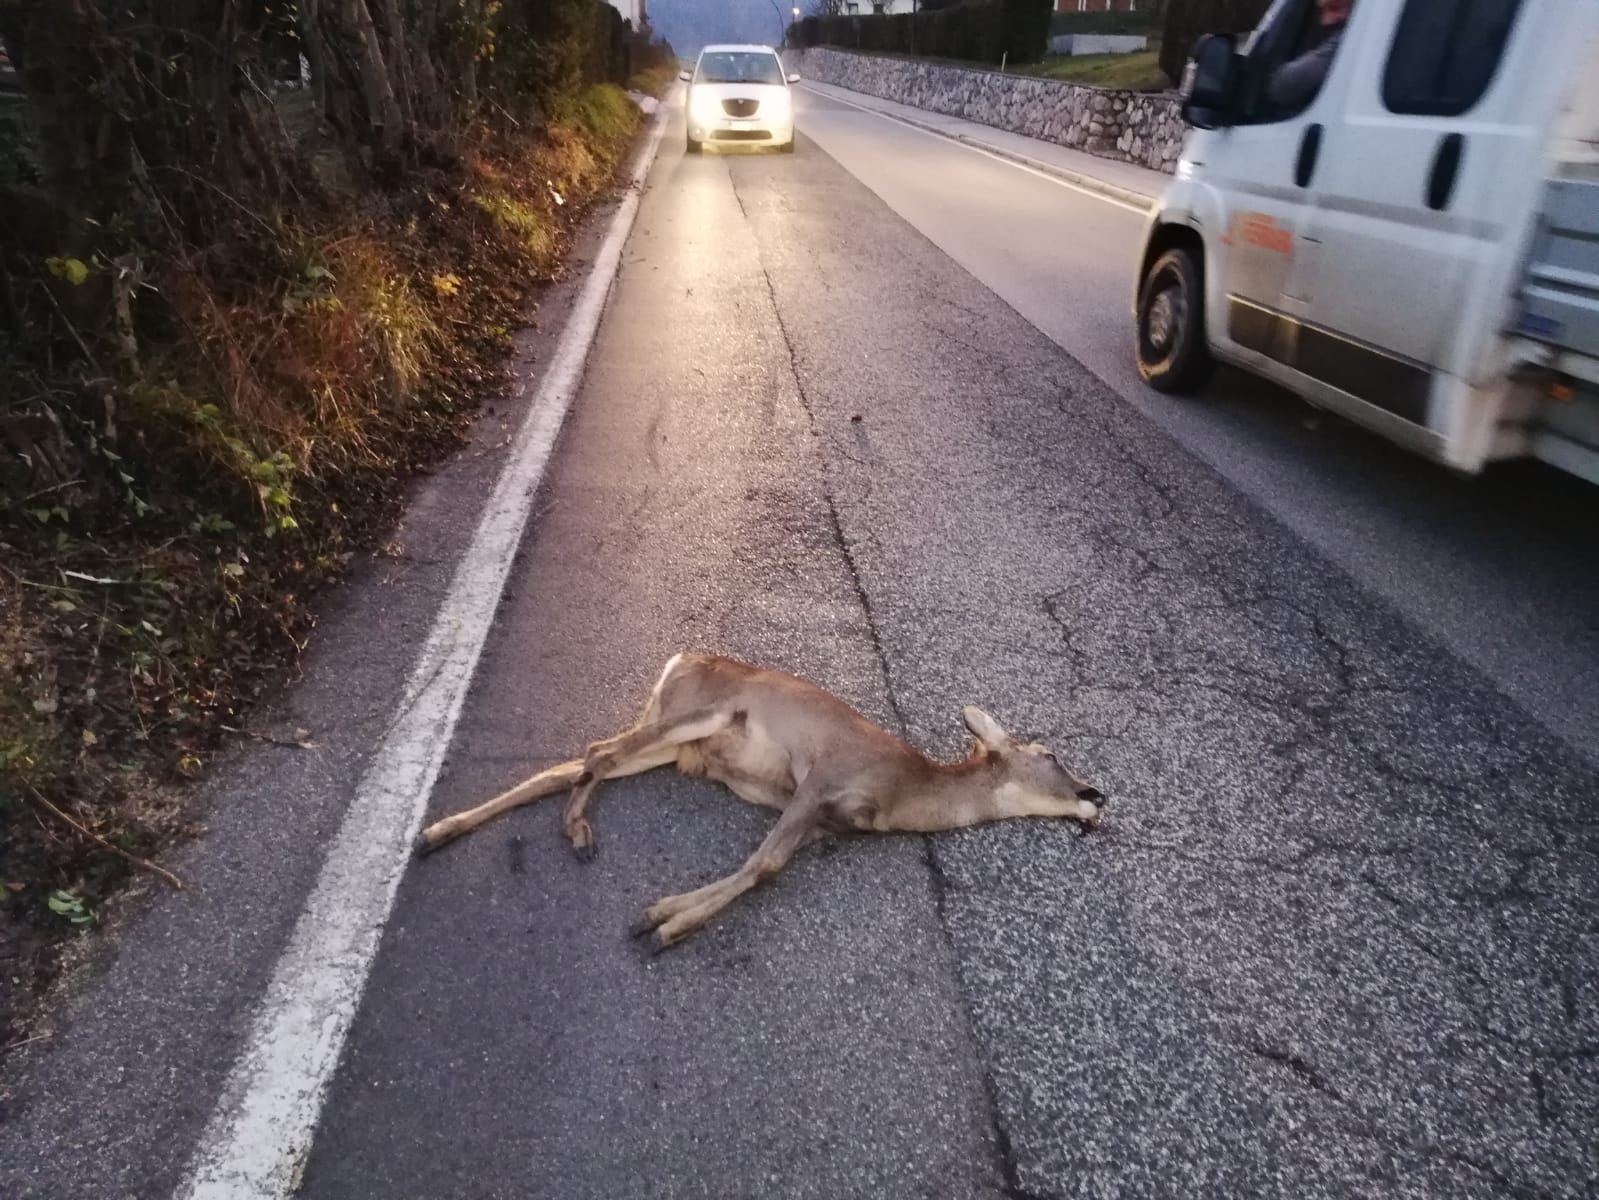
{"x": 256, "y": 1143}
{"x": 999, "y": 158}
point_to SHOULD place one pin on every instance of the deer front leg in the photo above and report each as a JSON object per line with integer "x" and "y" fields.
{"x": 1086, "y": 809}
{"x": 639, "y": 749}
{"x": 675, "y": 917}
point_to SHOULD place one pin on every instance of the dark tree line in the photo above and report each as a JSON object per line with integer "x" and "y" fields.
{"x": 142, "y": 124}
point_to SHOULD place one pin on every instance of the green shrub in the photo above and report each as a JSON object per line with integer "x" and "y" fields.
{"x": 1189, "y": 20}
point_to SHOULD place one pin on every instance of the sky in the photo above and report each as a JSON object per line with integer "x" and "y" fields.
{"x": 690, "y": 24}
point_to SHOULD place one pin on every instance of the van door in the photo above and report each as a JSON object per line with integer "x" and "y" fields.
{"x": 1262, "y": 167}
{"x": 1428, "y": 176}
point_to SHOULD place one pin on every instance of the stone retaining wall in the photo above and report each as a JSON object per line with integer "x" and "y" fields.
{"x": 1146, "y": 128}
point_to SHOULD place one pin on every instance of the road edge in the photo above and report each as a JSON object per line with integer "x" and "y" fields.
{"x": 256, "y": 1141}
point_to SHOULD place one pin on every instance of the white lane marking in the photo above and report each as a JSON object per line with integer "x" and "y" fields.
{"x": 999, "y": 158}
{"x": 257, "y": 1140}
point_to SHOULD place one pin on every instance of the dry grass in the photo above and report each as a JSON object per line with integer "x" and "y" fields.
{"x": 158, "y": 570}
{"x": 654, "y": 81}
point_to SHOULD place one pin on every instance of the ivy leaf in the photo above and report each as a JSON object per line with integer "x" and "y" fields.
{"x": 72, "y": 270}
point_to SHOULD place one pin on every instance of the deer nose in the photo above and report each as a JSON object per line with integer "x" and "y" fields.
{"x": 1088, "y": 792}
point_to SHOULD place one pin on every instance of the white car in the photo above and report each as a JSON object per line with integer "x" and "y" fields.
{"x": 739, "y": 95}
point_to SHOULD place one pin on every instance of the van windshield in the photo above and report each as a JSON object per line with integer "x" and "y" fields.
{"x": 740, "y": 66}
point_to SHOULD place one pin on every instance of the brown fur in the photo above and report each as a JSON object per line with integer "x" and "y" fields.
{"x": 782, "y": 742}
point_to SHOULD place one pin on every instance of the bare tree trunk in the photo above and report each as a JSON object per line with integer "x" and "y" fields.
{"x": 469, "y": 47}
{"x": 261, "y": 150}
{"x": 316, "y": 53}
{"x": 383, "y": 110}
{"x": 222, "y": 85}
{"x": 397, "y": 51}
{"x": 426, "y": 104}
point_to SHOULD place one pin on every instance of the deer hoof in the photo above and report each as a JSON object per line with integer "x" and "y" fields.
{"x": 420, "y": 846}
{"x": 581, "y": 836}
{"x": 658, "y": 943}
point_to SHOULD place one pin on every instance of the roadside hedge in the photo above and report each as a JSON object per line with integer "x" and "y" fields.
{"x": 1148, "y": 21}
{"x": 1189, "y": 20}
{"x": 258, "y": 260}
{"x": 986, "y": 31}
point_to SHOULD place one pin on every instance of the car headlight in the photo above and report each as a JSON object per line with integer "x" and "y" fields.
{"x": 704, "y": 107}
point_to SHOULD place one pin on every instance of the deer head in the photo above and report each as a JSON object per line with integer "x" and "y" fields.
{"x": 1031, "y": 777}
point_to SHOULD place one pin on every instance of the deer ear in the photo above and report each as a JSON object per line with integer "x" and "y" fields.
{"x": 985, "y": 729}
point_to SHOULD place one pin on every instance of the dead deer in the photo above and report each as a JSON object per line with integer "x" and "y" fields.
{"x": 781, "y": 741}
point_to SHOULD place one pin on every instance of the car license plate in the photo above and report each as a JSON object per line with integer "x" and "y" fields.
{"x": 742, "y": 124}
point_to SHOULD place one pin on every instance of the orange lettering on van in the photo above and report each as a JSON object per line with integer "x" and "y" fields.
{"x": 1260, "y": 230}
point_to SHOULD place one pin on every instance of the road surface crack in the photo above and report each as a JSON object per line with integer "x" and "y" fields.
{"x": 1304, "y": 1071}
{"x": 1014, "y": 1189}
{"x": 837, "y": 525}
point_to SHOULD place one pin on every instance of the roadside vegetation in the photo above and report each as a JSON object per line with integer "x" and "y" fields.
{"x": 259, "y": 261}
{"x": 1138, "y": 71}
{"x": 1013, "y": 34}
{"x": 966, "y": 31}
{"x": 1149, "y": 20}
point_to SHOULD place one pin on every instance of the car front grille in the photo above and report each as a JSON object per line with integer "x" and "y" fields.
{"x": 740, "y": 108}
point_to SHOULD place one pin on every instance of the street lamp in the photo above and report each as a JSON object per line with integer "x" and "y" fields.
{"x": 782, "y": 29}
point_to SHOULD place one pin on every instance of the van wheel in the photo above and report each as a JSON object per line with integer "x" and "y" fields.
{"x": 1173, "y": 355}
{"x": 787, "y": 147}
{"x": 694, "y": 147}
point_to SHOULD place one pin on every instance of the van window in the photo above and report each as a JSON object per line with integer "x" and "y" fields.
{"x": 1445, "y": 53}
{"x": 1290, "y": 40}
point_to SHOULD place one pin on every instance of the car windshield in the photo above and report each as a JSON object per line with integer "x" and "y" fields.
{"x": 740, "y": 66}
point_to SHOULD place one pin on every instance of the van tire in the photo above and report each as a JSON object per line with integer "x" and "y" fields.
{"x": 1173, "y": 355}
{"x": 694, "y": 147}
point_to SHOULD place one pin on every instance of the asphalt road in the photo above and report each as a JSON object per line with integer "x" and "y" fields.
{"x": 1339, "y": 940}
{"x": 1339, "y": 937}
{"x": 1499, "y": 569}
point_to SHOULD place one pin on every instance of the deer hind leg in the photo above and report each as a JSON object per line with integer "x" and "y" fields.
{"x": 535, "y": 787}
{"x": 640, "y": 749}
{"x": 675, "y": 917}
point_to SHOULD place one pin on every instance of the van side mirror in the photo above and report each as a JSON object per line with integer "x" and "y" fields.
{"x": 793, "y": 76}
{"x": 1210, "y": 84}
{"x": 685, "y": 76}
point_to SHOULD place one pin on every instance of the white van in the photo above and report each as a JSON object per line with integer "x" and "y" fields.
{"x": 1417, "y": 247}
